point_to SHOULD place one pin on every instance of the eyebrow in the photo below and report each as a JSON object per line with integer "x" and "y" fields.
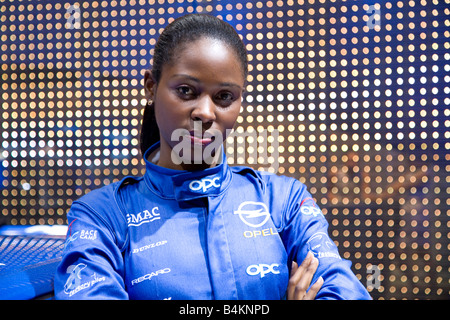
{"x": 223, "y": 84}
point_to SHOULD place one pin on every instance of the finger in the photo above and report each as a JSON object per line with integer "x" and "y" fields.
{"x": 292, "y": 283}
{"x": 308, "y": 273}
{"x": 296, "y": 274}
{"x": 303, "y": 284}
{"x": 312, "y": 292}
{"x": 299, "y": 270}
{"x": 293, "y": 268}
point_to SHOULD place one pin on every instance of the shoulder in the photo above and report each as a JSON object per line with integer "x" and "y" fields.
{"x": 103, "y": 207}
{"x": 97, "y": 197}
{"x": 269, "y": 180}
{"x": 280, "y": 189}
{"x": 107, "y": 196}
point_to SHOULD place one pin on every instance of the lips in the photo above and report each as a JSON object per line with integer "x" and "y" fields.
{"x": 201, "y": 139}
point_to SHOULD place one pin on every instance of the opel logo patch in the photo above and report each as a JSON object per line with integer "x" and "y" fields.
{"x": 253, "y": 214}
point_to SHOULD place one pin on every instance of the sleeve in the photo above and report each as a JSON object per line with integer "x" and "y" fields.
{"x": 92, "y": 265}
{"x": 306, "y": 229}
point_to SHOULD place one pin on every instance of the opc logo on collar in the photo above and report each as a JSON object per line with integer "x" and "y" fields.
{"x": 204, "y": 184}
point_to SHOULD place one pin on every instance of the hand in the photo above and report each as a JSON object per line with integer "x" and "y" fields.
{"x": 301, "y": 277}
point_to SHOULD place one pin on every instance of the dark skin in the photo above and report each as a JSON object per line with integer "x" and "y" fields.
{"x": 205, "y": 84}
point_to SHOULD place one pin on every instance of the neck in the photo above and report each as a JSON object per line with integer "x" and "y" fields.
{"x": 171, "y": 160}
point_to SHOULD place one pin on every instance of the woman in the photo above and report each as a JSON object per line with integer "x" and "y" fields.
{"x": 192, "y": 227}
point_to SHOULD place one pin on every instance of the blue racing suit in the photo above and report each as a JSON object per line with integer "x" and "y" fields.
{"x": 220, "y": 233}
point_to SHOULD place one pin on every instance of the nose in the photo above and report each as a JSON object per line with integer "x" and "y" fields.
{"x": 205, "y": 110}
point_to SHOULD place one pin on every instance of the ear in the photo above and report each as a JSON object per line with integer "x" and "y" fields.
{"x": 149, "y": 85}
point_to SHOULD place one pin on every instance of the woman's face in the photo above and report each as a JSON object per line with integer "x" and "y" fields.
{"x": 197, "y": 100}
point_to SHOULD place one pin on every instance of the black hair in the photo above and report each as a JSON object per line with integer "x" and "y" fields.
{"x": 177, "y": 34}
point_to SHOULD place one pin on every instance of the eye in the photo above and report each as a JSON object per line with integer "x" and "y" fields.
{"x": 185, "y": 92}
{"x": 225, "y": 97}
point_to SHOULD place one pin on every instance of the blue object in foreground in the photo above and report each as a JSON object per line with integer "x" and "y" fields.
{"x": 28, "y": 263}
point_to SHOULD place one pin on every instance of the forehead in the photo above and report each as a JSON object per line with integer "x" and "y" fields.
{"x": 207, "y": 58}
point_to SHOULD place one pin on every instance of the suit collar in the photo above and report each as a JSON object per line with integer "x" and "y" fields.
{"x": 184, "y": 185}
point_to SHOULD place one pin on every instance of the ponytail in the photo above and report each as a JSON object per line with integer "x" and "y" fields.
{"x": 149, "y": 130}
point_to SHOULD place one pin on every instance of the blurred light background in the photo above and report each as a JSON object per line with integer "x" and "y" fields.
{"x": 356, "y": 94}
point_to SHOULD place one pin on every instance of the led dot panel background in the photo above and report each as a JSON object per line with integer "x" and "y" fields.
{"x": 357, "y": 91}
